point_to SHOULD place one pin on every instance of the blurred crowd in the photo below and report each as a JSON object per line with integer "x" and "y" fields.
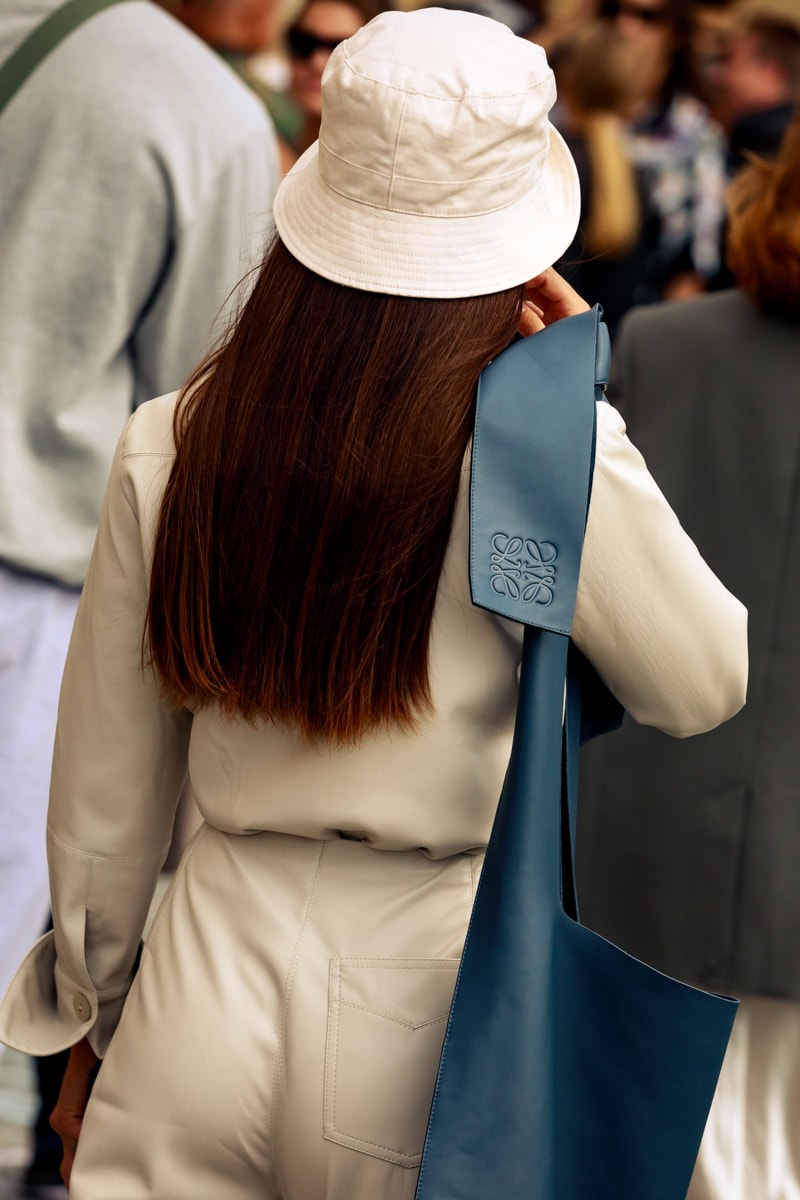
{"x": 661, "y": 101}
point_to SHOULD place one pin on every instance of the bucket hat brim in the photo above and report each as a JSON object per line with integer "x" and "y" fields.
{"x": 439, "y": 257}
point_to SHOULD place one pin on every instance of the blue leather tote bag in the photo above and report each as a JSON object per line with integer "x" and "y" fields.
{"x": 569, "y": 1070}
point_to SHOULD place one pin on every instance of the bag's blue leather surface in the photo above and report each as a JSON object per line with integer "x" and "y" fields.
{"x": 570, "y": 1071}
{"x": 531, "y": 469}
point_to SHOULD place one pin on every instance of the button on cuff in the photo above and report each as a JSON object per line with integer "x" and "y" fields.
{"x": 81, "y": 1006}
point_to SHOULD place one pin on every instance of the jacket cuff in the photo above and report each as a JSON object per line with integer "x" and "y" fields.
{"x": 45, "y": 1011}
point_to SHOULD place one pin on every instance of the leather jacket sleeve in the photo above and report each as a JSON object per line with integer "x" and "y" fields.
{"x": 664, "y": 634}
{"x": 111, "y": 815}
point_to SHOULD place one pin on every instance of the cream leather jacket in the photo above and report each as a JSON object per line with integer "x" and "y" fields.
{"x": 659, "y": 627}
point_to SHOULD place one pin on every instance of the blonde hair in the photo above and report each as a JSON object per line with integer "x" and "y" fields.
{"x": 600, "y": 76}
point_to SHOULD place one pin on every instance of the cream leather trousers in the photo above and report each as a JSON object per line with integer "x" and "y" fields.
{"x": 282, "y": 1036}
{"x": 751, "y": 1146}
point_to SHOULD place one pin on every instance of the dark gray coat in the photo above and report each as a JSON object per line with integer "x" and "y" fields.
{"x": 689, "y": 851}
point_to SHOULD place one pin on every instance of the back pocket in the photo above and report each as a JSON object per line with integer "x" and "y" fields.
{"x": 386, "y": 1024}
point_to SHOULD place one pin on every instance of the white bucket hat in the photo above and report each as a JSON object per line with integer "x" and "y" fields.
{"x": 437, "y": 172}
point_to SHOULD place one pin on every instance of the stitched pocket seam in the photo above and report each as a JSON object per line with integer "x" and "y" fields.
{"x": 336, "y": 1005}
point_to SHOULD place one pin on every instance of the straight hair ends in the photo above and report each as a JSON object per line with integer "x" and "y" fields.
{"x": 305, "y": 522}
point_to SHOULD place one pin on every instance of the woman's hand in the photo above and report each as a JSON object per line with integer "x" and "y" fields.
{"x": 67, "y": 1116}
{"x": 548, "y": 298}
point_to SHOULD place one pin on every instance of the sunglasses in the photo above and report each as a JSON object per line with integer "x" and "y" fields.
{"x": 648, "y": 16}
{"x": 303, "y": 44}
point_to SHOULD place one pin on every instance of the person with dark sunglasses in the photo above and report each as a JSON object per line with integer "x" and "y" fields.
{"x": 318, "y": 29}
{"x": 647, "y": 13}
{"x": 303, "y": 45}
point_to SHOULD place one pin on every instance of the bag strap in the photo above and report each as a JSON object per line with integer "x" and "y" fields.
{"x": 42, "y": 40}
{"x": 533, "y": 457}
{"x": 532, "y": 462}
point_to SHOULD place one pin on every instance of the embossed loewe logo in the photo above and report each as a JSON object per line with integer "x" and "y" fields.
{"x": 523, "y": 569}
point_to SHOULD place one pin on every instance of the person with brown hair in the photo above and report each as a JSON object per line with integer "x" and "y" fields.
{"x": 688, "y": 854}
{"x": 764, "y": 238}
{"x": 279, "y": 601}
{"x": 758, "y": 79}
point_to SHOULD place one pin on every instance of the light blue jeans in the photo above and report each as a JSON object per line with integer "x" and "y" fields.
{"x": 36, "y": 620}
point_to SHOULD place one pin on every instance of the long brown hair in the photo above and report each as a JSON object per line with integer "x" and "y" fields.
{"x": 763, "y": 244}
{"x": 305, "y": 522}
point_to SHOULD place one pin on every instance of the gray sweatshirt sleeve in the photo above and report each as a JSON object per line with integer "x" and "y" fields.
{"x": 137, "y": 182}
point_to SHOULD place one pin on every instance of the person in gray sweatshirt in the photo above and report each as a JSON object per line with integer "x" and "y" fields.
{"x": 136, "y": 188}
